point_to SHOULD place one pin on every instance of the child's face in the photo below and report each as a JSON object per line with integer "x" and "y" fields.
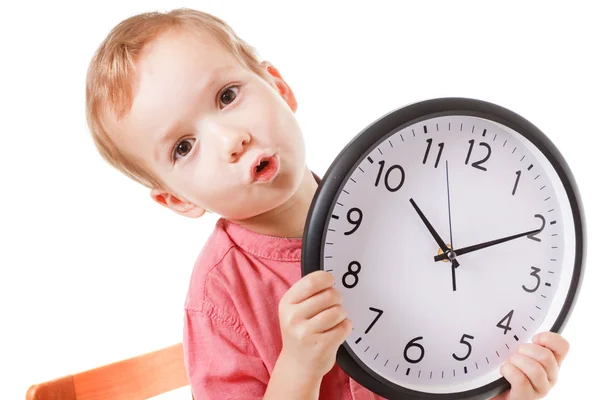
{"x": 220, "y": 117}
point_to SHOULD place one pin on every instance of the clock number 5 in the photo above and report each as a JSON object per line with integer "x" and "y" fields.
{"x": 386, "y": 179}
{"x": 469, "y": 348}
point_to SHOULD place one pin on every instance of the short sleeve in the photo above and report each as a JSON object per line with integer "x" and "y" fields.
{"x": 221, "y": 361}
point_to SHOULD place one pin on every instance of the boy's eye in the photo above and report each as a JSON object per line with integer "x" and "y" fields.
{"x": 183, "y": 148}
{"x": 229, "y": 95}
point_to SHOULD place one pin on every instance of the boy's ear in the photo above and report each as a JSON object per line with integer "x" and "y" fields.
{"x": 168, "y": 200}
{"x": 284, "y": 89}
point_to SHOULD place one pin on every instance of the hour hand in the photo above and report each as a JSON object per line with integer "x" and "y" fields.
{"x": 433, "y": 232}
{"x": 483, "y": 245}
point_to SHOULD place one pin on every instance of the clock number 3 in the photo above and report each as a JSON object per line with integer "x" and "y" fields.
{"x": 469, "y": 348}
{"x": 538, "y": 280}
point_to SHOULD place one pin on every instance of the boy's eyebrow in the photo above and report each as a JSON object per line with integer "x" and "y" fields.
{"x": 173, "y": 130}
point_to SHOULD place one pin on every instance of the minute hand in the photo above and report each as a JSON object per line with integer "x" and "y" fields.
{"x": 480, "y": 246}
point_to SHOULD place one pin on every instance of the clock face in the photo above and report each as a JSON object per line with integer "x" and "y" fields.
{"x": 495, "y": 201}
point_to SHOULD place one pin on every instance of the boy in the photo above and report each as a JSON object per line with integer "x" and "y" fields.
{"x": 180, "y": 104}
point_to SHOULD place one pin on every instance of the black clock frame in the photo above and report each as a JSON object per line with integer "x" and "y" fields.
{"x": 339, "y": 171}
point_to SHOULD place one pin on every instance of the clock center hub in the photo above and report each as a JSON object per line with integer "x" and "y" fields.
{"x": 451, "y": 254}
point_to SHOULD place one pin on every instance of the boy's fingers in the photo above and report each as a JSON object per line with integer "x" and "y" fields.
{"x": 319, "y": 302}
{"x": 520, "y": 386}
{"x": 533, "y": 371}
{"x": 307, "y": 286}
{"x": 555, "y": 342}
{"x": 544, "y": 356}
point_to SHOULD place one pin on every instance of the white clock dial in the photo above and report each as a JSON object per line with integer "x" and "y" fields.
{"x": 414, "y": 323}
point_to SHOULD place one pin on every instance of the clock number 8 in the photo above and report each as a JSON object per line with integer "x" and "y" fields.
{"x": 351, "y": 273}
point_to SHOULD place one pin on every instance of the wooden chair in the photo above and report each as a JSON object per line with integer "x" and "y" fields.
{"x": 140, "y": 377}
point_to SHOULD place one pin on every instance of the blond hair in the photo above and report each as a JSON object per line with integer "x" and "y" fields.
{"x": 110, "y": 76}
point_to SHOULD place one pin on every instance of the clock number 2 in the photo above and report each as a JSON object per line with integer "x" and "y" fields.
{"x": 532, "y": 236}
{"x": 386, "y": 179}
{"x": 469, "y": 348}
{"x": 477, "y": 164}
{"x": 351, "y": 273}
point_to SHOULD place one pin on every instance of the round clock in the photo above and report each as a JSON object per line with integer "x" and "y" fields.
{"x": 455, "y": 232}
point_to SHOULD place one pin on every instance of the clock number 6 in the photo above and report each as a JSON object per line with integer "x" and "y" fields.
{"x": 351, "y": 273}
{"x": 418, "y": 346}
{"x": 463, "y": 341}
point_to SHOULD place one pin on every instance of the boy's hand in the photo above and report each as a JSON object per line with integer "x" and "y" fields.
{"x": 313, "y": 324}
{"x": 533, "y": 370}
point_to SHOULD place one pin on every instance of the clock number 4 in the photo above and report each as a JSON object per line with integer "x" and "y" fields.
{"x": 463, "y": 340}
{"x": 386, "y": 179}
{"x": 507, "y": 318}
{"x": 477, "y": 164}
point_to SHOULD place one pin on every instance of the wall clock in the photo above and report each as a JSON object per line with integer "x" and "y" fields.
{"x": 454, "y": 230}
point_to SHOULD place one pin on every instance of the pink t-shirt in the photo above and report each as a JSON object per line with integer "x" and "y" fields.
{"x": 232, "y": 337}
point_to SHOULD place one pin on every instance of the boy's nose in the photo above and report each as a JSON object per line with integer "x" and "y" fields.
{"x": 235, "y": 143}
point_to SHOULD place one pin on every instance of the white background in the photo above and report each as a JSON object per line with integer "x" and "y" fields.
{"x": 92, "y": 271}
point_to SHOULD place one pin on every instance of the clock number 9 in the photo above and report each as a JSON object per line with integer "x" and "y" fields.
{"x": 463, "y": 341}
{"x": 387, "y": 176}
{"x": 355, "y": 222}
{"x": 351, "y": 273}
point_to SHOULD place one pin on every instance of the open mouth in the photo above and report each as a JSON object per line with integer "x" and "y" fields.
{"x": 265, "y": 169}
{"x": 263, "y": 164}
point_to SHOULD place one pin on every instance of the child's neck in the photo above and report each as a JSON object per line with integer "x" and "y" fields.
{"x": 288, "y": 219}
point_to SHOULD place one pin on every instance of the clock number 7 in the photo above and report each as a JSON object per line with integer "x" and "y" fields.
{"x": 379, "y": 314}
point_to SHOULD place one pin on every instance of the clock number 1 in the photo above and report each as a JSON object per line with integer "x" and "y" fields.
{"x": 386, "y": 179}
{"x": 469, "y": 348}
